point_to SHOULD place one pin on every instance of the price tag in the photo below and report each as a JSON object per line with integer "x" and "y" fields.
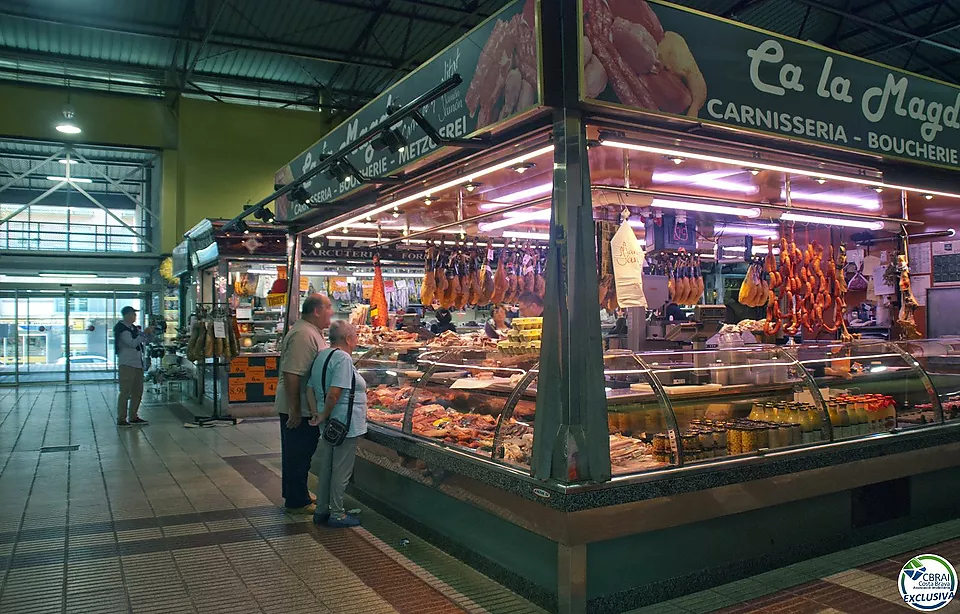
{"x": 238, "y": 390}
{"x": 219, "y": 330}
{"x": 271, "y": 363}
{"x": 256, "y": 375}
{"x": 244, "y": 313}
{"x": 270, "y": 387}
{"x": 238, "y": 365}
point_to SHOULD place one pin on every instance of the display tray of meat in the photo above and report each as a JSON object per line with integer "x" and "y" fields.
{"x": 628, "y": 455}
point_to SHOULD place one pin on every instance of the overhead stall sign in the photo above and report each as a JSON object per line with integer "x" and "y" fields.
{"x": 498, "y": 63}
{"x": 665, "y": 59}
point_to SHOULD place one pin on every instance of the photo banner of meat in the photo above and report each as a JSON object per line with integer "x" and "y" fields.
{"x": 668, "y": 59}
{"x": 499, "y": 66}
{"x": 505, "y": 81}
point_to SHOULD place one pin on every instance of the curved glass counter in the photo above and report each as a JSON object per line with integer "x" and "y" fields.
{"x": 738, "y": 402}
{"x": 671, "y": 408}
{"x": 870, "y": 386}
{"x": 940, "y": 359}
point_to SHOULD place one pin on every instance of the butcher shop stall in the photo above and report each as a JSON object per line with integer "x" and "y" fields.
{"x": 726, "y": 198}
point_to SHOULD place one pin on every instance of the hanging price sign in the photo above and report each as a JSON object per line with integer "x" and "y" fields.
{"x": 276, "y": 300}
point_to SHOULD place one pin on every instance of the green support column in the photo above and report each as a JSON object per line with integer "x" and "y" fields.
{"x": 571, "y": 442}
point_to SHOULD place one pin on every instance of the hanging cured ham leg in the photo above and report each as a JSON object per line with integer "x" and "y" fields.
{"x": 429, "y": 285}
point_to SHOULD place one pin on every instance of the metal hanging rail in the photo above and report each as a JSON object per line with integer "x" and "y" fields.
{"x": 411, "y": 109}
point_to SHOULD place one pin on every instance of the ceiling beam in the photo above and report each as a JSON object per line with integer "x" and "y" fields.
{"x": 415, "y": 58}
{"x": 871, "y": 24}
{"x": 394, "y": 12}
{"x": 165, "y": 32}
{"x": 939, "y": 30}
{"x": 154, "y": 74}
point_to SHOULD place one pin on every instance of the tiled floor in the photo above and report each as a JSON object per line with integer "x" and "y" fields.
{"x": 164, "y": 518}
{"x": 171, "y": 519}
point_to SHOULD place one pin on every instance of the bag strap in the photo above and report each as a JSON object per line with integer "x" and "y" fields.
{"x": 353, "y": 384}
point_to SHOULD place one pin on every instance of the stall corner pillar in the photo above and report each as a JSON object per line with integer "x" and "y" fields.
{"x": 294, "y": 261}
{"x": 571, "y": 443}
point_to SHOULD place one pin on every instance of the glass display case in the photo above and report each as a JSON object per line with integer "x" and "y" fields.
{"x": 671, "y": 408}
{"x": 940, "y": 360}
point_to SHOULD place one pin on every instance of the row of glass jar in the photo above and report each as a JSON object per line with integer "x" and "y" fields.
{"x": 852, "y": 415}
{"x": 805, "y": 415}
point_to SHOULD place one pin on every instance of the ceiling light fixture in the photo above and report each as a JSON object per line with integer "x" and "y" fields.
{"x": 928, "y": 196}
{"x": 831, "y": 221}
{"x": 523, "y": 167}
{"x": 73, "y": 179}
{"x": 437, "y": 189}
{"x": 470, "y": 186}
{"x": 317, "y": 244}
{"x": 338, "y": 171}
{"x": 390, "y": 139}
{"x": 428, "y": 201}
{"x": 675, "y": 159}
{"x": 877, "y": 188}
{"x": 753, "y": 171}
{"x": 67, "y": 125}
{"x": 870, "y": 182}
{"x": 66, "y": 161}
{"x": 820, "y": 180}
{"x": 264, "y": 215}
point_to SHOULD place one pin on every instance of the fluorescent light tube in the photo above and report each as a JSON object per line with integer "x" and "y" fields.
{"x": 73, "y": 179}
{"x": 436, "y": 189}
{"x": 832, "y": 221}
{"x": 65, "y": 161}
{"x": 519, "y": 197}
{"x": 703, "y": 208}
{"x": 542, "y": 215}
{"x": 70, "y": 275}
{"x": 814, "y": 174}
{"x": 538, "y": 236}
{"x": 833, "y": 199}
{"x": 711, "y": 179}
{"x": 751, "y": 231}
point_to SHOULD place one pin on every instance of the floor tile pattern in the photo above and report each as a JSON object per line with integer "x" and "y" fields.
{"x": 165, "y": 518}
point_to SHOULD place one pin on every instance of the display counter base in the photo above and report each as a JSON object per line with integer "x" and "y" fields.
{"x": 613, "y": 557}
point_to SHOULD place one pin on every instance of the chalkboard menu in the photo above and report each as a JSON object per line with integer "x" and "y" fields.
{"x": 946, "y": 262}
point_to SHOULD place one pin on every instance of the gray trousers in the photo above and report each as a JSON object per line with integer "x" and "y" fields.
{"x": 333, "y": 466}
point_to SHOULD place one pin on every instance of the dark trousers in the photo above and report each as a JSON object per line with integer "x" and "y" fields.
{"x": 297, "y": 447}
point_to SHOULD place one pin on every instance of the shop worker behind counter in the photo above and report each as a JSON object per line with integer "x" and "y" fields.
{"x": 129, "y": 342}
{"x": 298, "y": 438}
{"x": 531, "y": 305}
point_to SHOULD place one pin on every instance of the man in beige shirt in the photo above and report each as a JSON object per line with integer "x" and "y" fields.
{"x": 298, "y": 439}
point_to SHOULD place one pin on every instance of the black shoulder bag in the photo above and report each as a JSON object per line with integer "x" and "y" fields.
{"x": 335, "y": 431}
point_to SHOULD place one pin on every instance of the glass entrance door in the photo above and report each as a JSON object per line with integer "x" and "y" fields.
{"x": 38, "y": 326}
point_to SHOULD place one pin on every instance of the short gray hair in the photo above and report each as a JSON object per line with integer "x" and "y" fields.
{"x": 340, "y": 330}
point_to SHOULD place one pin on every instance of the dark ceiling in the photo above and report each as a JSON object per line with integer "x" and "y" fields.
{"x": 337, "y": 54}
